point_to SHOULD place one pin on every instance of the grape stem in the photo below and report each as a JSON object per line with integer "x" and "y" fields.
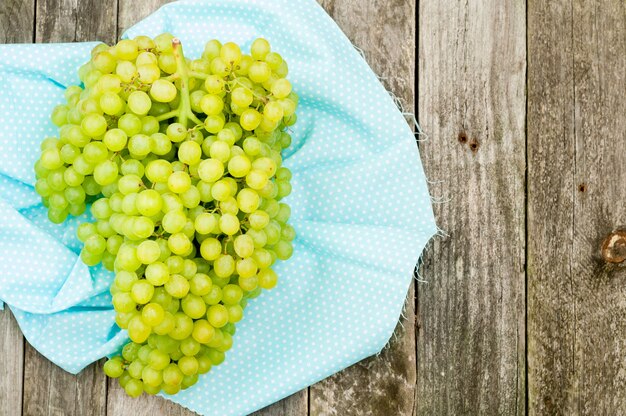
{"x": 184, "y": 107}
{"x": 168, "y": 115}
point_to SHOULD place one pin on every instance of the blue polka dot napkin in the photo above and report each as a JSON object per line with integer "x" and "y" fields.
{"x": 360, "y": 206}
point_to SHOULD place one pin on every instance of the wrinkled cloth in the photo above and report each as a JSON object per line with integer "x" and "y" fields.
{"x": 360, "y": 206}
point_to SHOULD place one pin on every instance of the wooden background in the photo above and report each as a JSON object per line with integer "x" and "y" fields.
{"x": 524, "y": 103}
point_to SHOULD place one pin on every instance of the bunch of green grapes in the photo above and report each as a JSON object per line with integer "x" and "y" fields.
{"x": 181, "y": 162}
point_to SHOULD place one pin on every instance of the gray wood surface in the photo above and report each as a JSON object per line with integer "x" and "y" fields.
{"x": 471, "y": 77}
{"x": 16, "y": 26}
{"x": 523, "y": 104}
{"x": 48, "y": 390}
{"x": 576, "y": 197}
{"x": 11, "y": 365}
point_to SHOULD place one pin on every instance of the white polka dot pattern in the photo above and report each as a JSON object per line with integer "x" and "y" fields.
{"x": 360, "y": 206}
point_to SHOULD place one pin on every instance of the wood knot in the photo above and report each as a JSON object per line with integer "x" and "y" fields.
{"x": 582, "y": 187}
{"x": 474, "y": 145}
{"x": 462, "y": 137}
{"x": 614, "y": 247}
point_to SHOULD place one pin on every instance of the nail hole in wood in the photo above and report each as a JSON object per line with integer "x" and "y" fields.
{"x": 582, "y": 187}
{"x": 462, "y": 137}
{"x": 474, "y": 145}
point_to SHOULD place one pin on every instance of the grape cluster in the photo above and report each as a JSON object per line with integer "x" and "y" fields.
{"x": 181, "y": 162}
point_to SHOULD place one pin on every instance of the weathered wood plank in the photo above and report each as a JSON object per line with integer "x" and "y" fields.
{"x": 295, "y": 405}
{"x": 471, "y": 313}
{"x": 576, "y": 196}
{"x": 16, "y": 21}
{"x": 385, "y": 384}
{"x": 16, "y": 26}
{"x": 76, "y": 20}
{"x": 120, "y": 404}
{"x": 48, "y": 390}
{"x": 11, "y": 364}
{"x": 131, "y": 12}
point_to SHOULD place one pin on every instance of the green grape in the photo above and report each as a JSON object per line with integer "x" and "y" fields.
{"x": 235, "y": 313}
{"x": 105, "y": 172}
{"x": 193, "y": 306}
{"x": 217, "y": 315}
{"x": 246, "y": 267}
{"x": 93, "y": 125}
{"x": 114, "y": 368}
{"x": 259, "y": 49}
{"x": 158, "y": 170}
{"x": 166, "y": 326}
{"x": 214, "y": 84}
{"x": 211, "y": 104}
{"x": 127, "y": 49}
{"x": 148, "y": 251}
{"x": 142, "y": 292}
{"x": 111, "y": 103}
{"x": 188, "y": 365}
{"x": 179, "y": 243}
{"x": 267, "y": 278}
{"x": 130, "y": 350}
{"x": 214, "y": 296}
{"x": 205, "y": 223}
{"x": 125, "y": 280}
{"x": 283, "y": 249}
{"x": 177, "y": 286}
{"x": 150, "y": 126}
{"x": 183, "y": 326}
{"x": 229, "y": 224}
{"x": 158, "y": 360}
{"x": 190, "y": 347}
{"x": 134, "y": 388}
{"x": 138, "y": 330}
{"x": 239, "y": 166}
{"x": 139, "y": 145}
{"x": 200, "y": 284}
{"x": 204, "y": 364}
{"x": 179, "y": 182}
{"x": 210, "y": 249}
{"x": 95, "y": 244}
{"x": 151, "y": 377}
{"x": 189, "y": 153}
{"x": 163, "y": 91}
{"x": 149, "y": 202}
{"x": 231, "y": 294}
{"x": 216, "y": 357}
{"x": 259, "y": 72}
{"x": 172, "y": 375}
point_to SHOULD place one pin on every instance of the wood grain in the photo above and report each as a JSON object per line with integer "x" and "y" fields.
{"x": 384, "y": 384}
{"x": 16, "y": 21}
{"x": 294, "y": 405}
{"x": 120, "y": 404}
{"x": 131, "y": 12}
{"x": 576, "y": 196}
{"x": 48, "y": 390}
{"x": 11, "y": 364}
{"x": 16, "y": 26}
{"x": 76, "y": 20}
{"x": 471, "y": 102}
